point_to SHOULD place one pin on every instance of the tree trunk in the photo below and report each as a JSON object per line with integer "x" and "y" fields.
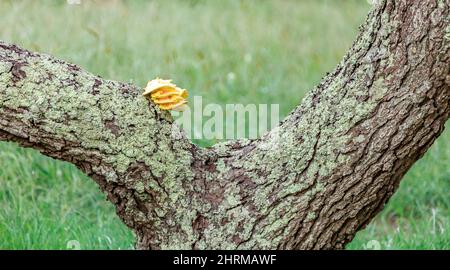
{"x": 310, "y": 183}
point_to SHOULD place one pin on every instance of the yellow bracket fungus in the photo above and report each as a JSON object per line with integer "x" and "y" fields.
{"x": 166, "y": 95}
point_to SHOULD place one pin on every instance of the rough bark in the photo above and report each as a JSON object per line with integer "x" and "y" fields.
{"x": 310, "y": 183}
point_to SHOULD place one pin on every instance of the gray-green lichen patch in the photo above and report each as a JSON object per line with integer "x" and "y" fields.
{"x": 310, "y": 216}
{"x": 447, "y": 33}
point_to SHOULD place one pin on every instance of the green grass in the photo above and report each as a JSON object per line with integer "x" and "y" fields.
{"x": 277, "y": 51}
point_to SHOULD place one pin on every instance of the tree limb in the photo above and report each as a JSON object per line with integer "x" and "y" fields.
{"x": 310, "y": 183}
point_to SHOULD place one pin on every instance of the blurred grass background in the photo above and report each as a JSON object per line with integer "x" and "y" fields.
{"x": 226, "y": 51}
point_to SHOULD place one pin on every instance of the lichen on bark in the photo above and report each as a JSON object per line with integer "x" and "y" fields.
{"x": 310, "y": 183}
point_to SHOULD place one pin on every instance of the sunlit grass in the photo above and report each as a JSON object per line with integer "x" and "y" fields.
{"x": 225, "y": 51}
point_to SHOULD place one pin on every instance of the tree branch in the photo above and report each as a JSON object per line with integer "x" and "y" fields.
{"x": 310, "y": 183}
{"x": 106, "y": 128}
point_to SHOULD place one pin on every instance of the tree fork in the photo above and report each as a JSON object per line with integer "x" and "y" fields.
{"x": 311, "y": 183}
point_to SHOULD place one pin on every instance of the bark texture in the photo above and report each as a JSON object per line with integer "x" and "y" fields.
{"x": 310, "y": 183}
